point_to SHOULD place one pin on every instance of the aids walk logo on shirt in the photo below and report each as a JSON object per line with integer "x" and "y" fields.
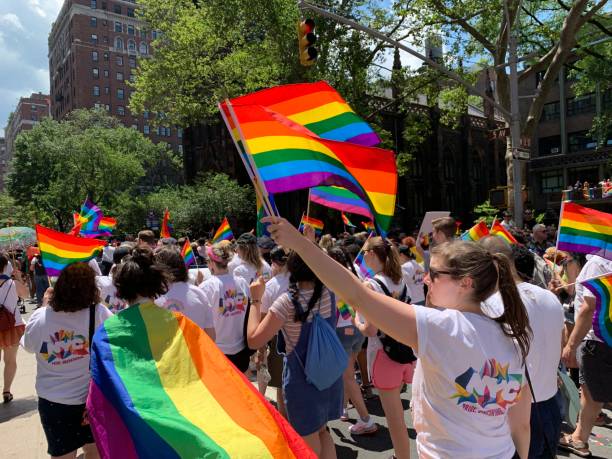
{"x": 490, "y": 391}
{"x": 64, "y": 347}
{"x": 232, "y": 303}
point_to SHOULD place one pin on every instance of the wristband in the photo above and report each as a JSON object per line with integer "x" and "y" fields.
{"x": 255, "y": 301}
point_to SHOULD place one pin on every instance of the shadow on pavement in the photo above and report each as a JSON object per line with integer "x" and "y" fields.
{"x": 18, "y": 407}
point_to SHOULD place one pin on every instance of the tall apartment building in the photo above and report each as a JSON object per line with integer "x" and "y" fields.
{"x": 94, "y": 46}
{"x": 29, "y": 111}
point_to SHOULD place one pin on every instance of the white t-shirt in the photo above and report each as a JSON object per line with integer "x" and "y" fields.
{"x": 93, "y": 264}
{"x": 413, "y": 275}
{"x": 8, "y": 295}
{"x": 190, "y": 301}
{"x": 249, "y": 273}
{"x": 227, "y": 296}
{"x": 275, "y": 287}
{"x": 546, "y": 319}
{"x": 193, "y": 275}
{"x": 467, "y": 375}
{"x": 595, "y": 266}
{"x": 60, "y": 341}
{"x": 234, "y": 263}
{"x": 108, "y": 294}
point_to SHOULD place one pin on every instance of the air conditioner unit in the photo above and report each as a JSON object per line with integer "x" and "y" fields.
{"x": 554, "y": 150}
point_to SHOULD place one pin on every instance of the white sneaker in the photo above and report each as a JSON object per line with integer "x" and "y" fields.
{"x": 363, "y": 428}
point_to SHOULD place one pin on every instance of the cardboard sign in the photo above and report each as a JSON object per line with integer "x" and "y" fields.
{"x": 426, "y": 226}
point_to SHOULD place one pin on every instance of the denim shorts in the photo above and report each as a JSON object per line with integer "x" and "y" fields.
{"x": 351, "y": 339}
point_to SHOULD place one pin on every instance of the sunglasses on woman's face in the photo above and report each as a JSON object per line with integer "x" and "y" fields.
{"x": 435, "y": 273}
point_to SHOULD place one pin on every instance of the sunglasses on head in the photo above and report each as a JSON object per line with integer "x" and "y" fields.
{"x": 435, "y": 273}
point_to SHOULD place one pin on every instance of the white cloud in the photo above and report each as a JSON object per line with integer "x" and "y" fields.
{"x": 11, "y": 20}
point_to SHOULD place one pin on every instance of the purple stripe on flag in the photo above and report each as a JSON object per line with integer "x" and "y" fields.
{"x": 369, "y": 139}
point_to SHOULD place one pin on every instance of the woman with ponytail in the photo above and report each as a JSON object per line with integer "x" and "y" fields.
{"x": 308, "y": 408}
{"x": 470, "y": 370}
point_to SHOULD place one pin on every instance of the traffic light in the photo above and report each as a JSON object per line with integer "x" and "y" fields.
{"x": 306, "y": 40}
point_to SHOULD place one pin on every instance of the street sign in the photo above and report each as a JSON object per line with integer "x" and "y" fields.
{"x": 522, "y": 154}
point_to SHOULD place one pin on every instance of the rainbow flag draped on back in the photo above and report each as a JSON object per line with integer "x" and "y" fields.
{"x": 187, "y": 253}
{"x": 601, "y": 287}
{"x": 341, "y": 199}
{"x": 59, "y": 250}
{"x": 316, "y": 106}
{"x": 318, "y": 225}
{"x": 166, "y": 228}
{"x": 476, "y": 232}
{"x": 161, "y": 388}
{"x": 585, "y": 230}
{"x": 497, "y": 229}
{"x": 224, "y": 233}
{"x": 288, "y": 157}
{"x": 346, "y": 221}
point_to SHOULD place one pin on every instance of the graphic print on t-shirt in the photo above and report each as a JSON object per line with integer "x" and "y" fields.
{"x": 489, "y": 391}
{"x": 232, "y": 303}
{"x": 173, "y": 305}
{"x": 64, "y": 347}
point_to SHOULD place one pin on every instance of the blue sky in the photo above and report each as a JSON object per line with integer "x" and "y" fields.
{"x": 24, "y": 66}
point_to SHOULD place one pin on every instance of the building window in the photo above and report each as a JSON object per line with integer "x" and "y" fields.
{"x": 118, "y": 44}
{"x": 551, "y": 181}
{"x": 135, "y": 127}
{"x": 549, "y": 145}
{"x": 106, "y": 90}
{"x": 120, "y": 93}
{"x": 580, "y": 141}
{"x": 143, "y": 34}
{"x": 119, "y": 60}
{"x": 95, "y": 72}
{"x": 33, "y": 108}
{"x": 179, "y": 133}
{"x": 94, "y": 56}
{"x": 146, "y": 129}
{"x": 94, "y": 4}
{"x": 130, "y": 29}
{"x": 107, "y": 107}
{"x": 106, "y": 56}
{"x": 105, "y": 39}
{"x": 105, "y": 73}
{"x": 145, "y": 114}
{"x": 132, "y": 78}
{"x": 94, "y": 39}
{"x": 96, "y": 90}
{"x": 117, "y": 27}
{"x": 132, "y": 62}
{"x": 116, "y": 9}
{"x": 153, "y": 34}
{"x": 551, "y": 111}
{"x": 131, "y": 47}
{"x": 130, "y": 12}
{"x": 159, "y": 131}
{"x": 120, "y": 110}
{"x": 180, "y": 148}
{"x": 119, "y": 76}
{"x": 34, "y": 117}
{"x": 143, "y": 48}
{"x": 93, "y": 21}
{"x": 583, "y": 104}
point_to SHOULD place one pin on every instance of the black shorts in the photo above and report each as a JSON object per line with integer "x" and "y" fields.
{"x": 595, "y": 361}
{"x": 63, "y": 426}
{"x": 275, "y": 365}
{"x": 241, "y": 359}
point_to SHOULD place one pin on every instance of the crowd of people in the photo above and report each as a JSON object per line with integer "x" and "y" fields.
{"x": 479, "y": 331}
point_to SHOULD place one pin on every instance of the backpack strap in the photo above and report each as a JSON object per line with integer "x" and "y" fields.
{"x": 92, "y": 324}
{"x": 549, "y": 449}
{"x": 382, "y": 285}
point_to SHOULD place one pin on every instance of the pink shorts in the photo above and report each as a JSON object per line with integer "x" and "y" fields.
{"x": 388, "y": 375}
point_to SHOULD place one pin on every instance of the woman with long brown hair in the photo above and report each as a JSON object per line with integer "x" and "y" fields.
{"x": 470, "y": 370}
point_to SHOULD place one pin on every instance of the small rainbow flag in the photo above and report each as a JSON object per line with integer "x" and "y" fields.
{"x": 601, "y": 287}
{"x": 585, "y": 230}
{"x": 59, "y": 250}
{"x": 369, "y": 226}
{"x": 364, "y": 269}
{"x": 316, "y": 224}
{"x": 346, "y": 221}
{"x": 224, "y": 233}
{"x": 161, "y": 388}
{"x": 166, "y": 229}
{"x": 187, "y": 253}
{"x": 339, "y": 198}
{"x": 107, "y": 225}
{"x": 344, "y": 310}
{"x": 476, "y": 232}
{"x": 497, "y": 229}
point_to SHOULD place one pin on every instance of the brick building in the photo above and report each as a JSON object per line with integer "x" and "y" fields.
{"x": 29, "y": 111}
{"x": 94, "y": 46}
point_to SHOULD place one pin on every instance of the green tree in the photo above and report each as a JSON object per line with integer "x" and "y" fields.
{"x": 485, "y": 212}
{"x": 12, "y": 214}
{"x": 57, "y": 164}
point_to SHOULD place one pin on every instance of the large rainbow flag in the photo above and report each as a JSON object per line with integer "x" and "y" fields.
{"x": 476, "y": 232}
{"x": 601, "y": 287}
{"x": 341, "y": 199}
{"x": 224, "y": 232}
{"x": 59, "y": 250}
{"x": 497, "y": 229}
{"x": 316, "y": 106}
{"x": 585, "y": 230}
{"x": 288, "y": 158}
{"x": 161, "y": 388}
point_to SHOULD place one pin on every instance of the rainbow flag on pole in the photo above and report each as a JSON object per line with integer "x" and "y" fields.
{"x": 161, "y": 388}
{"x": 476, "y": 232}
{"x": 224, "y": 233}
{"x": 369, "y": 226}
{"x": 344, "y": 310}
{"x": 585, "y": 230}
{"x": 316, "y": 224}
{"x": 342, "y": 199}
{"x": 497, "y": 229}
{"x": 59, "y": 250}
{"x": 365, "y": 271}
{"x": 166, "y": 228}
{"x": 187, "y": 253}
{"x": 346, "y": 221}
{"x": 601, "y": 287}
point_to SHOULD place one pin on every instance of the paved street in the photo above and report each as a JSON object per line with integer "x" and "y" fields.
{"x": 21, "y": 435}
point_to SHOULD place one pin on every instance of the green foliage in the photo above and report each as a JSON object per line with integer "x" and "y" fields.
{"x": 540, "y": 217}
{"x": 485, "y": 212}
{"x": 12, "y": 214}
{"x": 56, "y": 165}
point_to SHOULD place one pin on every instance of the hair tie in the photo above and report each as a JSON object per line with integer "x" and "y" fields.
{"x": 211, "y": 254}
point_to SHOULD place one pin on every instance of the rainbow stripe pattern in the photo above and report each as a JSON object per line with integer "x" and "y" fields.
{"x": 288, "y": 157}
{"x": 346, "y": 221}
{"x": 365, "y": 271}
{"x": 601, "y": 287}
{"x": 187, "y": 253}
{"x": 318, "y": 107}
{"x": 340, "y": 199}
{"x": 497, "y": 229}
{"x": 166, "y": 228}
{"x": 476, "y": 232}
{"x": 59, "y": 250}
{"x": 224, "y": 233}
{"x": 161, "y": 388}
{"x": 89, "y": 217}
{"x": 344, "y": 310}
{"x": 318, "y": 225}
{"x": 585, "y": 230}
{"x": 369, "y": 226}
{"x": 107, "y": 225}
